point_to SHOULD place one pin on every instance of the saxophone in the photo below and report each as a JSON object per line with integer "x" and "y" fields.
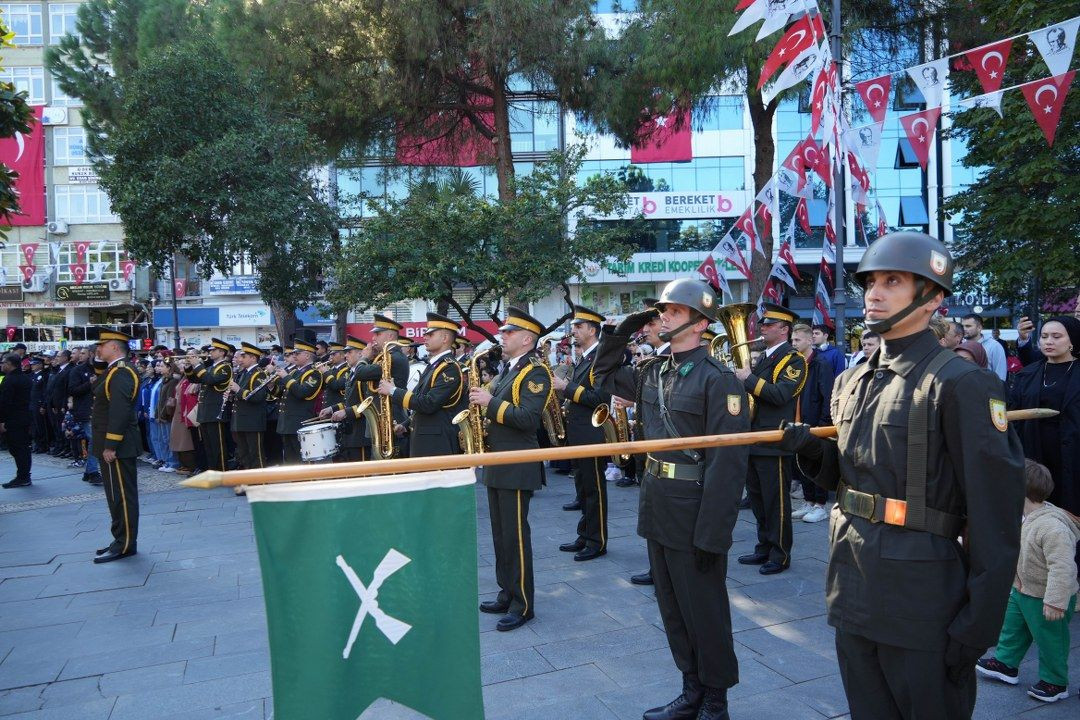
{"x": 615, "y": 423}
{"x": 472, "y": 423}
{"x": 552, "y": 416}
{"x": 380, "y": 420}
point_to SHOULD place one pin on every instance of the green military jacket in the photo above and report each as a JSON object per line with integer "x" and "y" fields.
{"x": 335, "y": 383}
{"x": 113, "y": 422}
{"x": 299, "y": 391}
{"x": 214, "y": 381}
{"x": 517, "y": 403}
{"x": 249, "y": 404}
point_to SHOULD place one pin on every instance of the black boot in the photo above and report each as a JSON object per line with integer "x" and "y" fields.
{"x": 684, "y": 707}
{"x": 715, "y": 705}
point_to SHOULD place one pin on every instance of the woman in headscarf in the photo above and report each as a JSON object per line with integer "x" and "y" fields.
{"x": 972, "y": 351}
{"x": 1054, "y": 382}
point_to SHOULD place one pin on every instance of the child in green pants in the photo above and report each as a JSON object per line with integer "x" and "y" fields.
{"x": 1043, "y": 596}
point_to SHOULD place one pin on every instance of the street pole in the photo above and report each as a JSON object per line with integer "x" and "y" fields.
{"x": 175, "y": 311}
{"x": 840, "y": 189}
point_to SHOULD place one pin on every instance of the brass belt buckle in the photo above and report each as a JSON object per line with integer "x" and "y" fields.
{"x": 667, "y": 470}
{"x": 864, "y": 505}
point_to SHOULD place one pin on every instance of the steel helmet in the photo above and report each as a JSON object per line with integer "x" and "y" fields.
{"x": 695, "y": 294}
{"x": 913, "y": 252}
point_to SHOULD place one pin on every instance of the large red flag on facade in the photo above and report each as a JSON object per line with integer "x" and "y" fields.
{"x": 25, "y": 154}
{"x": 450, "y": 140}
{"x": 665, "y": 138}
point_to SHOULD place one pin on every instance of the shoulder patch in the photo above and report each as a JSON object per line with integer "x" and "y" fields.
{"x": 997, "y": 415}
{"x": 535, "y": 388}
{"x": 734, "y": 404}
{"x": 311, "y": 380}
{"x": 792, "y": 373}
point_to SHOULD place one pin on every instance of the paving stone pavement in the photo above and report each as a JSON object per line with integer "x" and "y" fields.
{"x": 179, "y": 630}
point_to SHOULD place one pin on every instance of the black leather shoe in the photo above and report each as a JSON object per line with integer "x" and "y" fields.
{"x": 571, "y": 506}
{"x": 94, "y": 479}
{"x": 17, "y": 483}
{"x": 589, "y": 554}
{"x": 626, "y": 482}
{"x": 512, "y": 621}
{"x": 102, "y": 551}
{"x": 684, "y": 707}
{"x": 573, "y": 547}
{"x": 753, "y": 559}
{"x": 494, "y": 607}
{"x": 714, "y": 707}
{"x": 111, "y": 555}
{"x": 772, "y": 568}
{"x": 744, "y": 504}
{"x": 644, "y": 578}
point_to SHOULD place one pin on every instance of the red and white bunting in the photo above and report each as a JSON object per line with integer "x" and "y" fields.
{"x": 29, "y": 250}
{"x": 1046, "y": 98}
{"x": 786, "y": 255}
{"x": 713, "y": 276}
{"x": 751, "y": 12}
{"x": 989, "y": 62}
{"x": 802, "y": 212}
{"x": 919, "y": 128}
{"x": 765, "y": 216}
{"x": 1056, "y": 45}
{"x": 78, "y": 272}
{"x": 28, "y": 272}
{"x": 777, "y": 14}
{"x": 745, "y": 225}
{"x": 730, "y": 251}
{"x": 803, "y": 34}
{"x": 875, "y": 94}
{"x": 882, "y": 224}
{"x": 931, "y": 79}
{"x": 990, "y": 100}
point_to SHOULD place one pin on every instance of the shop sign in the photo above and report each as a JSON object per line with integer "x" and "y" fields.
{"x": 684, "y": 205}
{"x": 11, "y": 293}
{"x": 85, "y": 292}
{"x": 235, "y": 285}
{"x": 244, "y": 316}
{"x": 651, "y": 267}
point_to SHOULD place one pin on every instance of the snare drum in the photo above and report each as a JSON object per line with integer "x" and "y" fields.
{"x": 318, "y": 441}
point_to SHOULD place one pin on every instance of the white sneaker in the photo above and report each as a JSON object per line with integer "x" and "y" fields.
{"x": 817, "y": 514}
{"x": 801, "y": 508}
{"x": 167, "y": 469}
{"x": 796, "y": 490}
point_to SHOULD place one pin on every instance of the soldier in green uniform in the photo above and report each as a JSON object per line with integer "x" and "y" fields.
{"x": 214, "y": 377}
{"x": 515, "y": 405}
{"x": 299, "y": 388}
{"x": 115, "y": 439}
{"x": 353, "y": 438}
{"x": 385, "y": 331}
{"x": 438, "y": 394}
{"x": 929, "y": 483}
{"x": 687, "y": 507}
{"x": 582, "y": 397}
{"x": 249, "y": 408}
{"x": 775, "y": 382}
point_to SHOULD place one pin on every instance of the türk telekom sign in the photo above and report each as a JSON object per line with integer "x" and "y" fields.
{"x": 685, "y": 205}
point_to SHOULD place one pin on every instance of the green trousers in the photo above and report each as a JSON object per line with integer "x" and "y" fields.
{"x": 1024, "y": 624}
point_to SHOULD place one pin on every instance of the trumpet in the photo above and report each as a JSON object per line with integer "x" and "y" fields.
{"x": 472, "y": 425}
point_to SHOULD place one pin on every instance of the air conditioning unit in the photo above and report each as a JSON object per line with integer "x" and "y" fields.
{"x": 34, "y": 284}
{"x": 120, "y": 284}
{"x": 57, "y": 227}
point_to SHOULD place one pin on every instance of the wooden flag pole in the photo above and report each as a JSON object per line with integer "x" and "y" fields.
{"x": 340, "y": 471}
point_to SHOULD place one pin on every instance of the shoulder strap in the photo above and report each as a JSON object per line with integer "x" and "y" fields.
{"x": 918, "y": 427}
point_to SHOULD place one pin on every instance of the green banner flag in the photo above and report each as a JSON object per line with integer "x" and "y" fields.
{"x": 371, "y": 594}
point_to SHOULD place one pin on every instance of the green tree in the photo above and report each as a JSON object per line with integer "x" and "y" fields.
{"x": 377, "y": 68}
{"x": 1020, "y": 220}
{"x": 444, "y": 236}
{"x": 15, "y": 118}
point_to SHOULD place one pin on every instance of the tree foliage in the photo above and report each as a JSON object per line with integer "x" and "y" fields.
{"x": 1021, "y": 217}
{"x": 443, "y": 237}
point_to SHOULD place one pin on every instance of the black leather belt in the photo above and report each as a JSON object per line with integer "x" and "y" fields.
{"x": 880, "y": 509}
{"x": 673, "y": 471}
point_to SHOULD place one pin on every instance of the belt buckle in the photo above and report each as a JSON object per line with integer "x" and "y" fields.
{"x": 864, "y": 505}
{"x": 667, "y": 470}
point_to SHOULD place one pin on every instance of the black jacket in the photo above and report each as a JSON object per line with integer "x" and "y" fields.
{"x": 38, "y": 383}
{"x": 15, "y": 400}
{"x": 517, "y": 403}
{"x": 775, "y": 382}
{"x": 813, "y": 401}
{"x": 249, "y": 404}
{"x": 114, "y": 425}
{"x": 57, "y": 389}
{"x": 438, "y": 396}
{"x": 1026, "y": 392}
{"x": 80, "y": 388}
{"x": 583, "y": 395}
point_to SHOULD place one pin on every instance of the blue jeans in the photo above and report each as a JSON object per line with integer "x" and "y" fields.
{"x": 91, "y": 459}
{"x": 160, "y": 440}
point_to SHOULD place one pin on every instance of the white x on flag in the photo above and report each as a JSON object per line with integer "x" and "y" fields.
{"x": 392, "y": 628}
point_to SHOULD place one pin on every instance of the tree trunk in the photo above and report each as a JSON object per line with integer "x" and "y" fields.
{"x": 504, "y": 158}
{"x": 761, "y": 118}
{"x": 341, "y": 319}
{"x": 284, "y": 321}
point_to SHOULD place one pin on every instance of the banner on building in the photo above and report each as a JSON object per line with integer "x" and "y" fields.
{"x": 25, "y": 154}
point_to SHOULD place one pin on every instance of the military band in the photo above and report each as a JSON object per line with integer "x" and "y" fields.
{"x": 299, "y": 389}
{"x": 249, "y": 392}
{"x": 214, "y": 378}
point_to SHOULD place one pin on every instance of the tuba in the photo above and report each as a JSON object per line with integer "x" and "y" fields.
{"x": 471, "y": 422}
{"x": 380, "y": 421}
{"x": 736, "y": 321}
{"x": 612, "y": 419}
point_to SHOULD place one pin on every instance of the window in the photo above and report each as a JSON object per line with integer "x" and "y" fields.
{"x": 905, "y": 155}
{"x": 62, "y": 20}
{"x": 83, "y": 204}
{"x": 913, "y": 211}
{"x": 30, "y": 80}
{"x": 721, "y": 112}
{"x": 615, "y": 6}
{"x": 25, "y": 21}
{"x": 69, "y": 146}
{"x": 102, "y": 261}
{"x": 534, "y": 126}
{"x": 61, "y": 99}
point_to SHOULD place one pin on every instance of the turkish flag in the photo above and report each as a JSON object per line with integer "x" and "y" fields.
{"x": 858, "y": 172}
{"x": 78, "y": 271}
{"x": 920, "y": 128}
{"x": 821, "y": 304}
{"x": 743, "y": 4}
{"x": 708, "y": 271}
{"x": 988, "y": 62}
{"x": 822, "y": 160}
{"x": 803, "y": 213}
{"x": 765, "y": 214}
{"x": 665, "y": 138}
{"x": 730, "y": 251}
{"x": 127, "y": 267}
{"x": 795, "y": 162}
{"x": 800, "y": 36}
{"x": 449, "y": 139}
{"x": 25, "y": 154}
{"x": 80, "y": 251}
{"x": 786, "y": 255}
{"x": 745, "y": 223}
{"x": 875, "y": 93}
{"x": 29, "y": 250}
{"x": 1046, "y": 98}
{"x": 28, "y": 272}
{"x": 819, "y": 96}
{"x": 179, "y": 288}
